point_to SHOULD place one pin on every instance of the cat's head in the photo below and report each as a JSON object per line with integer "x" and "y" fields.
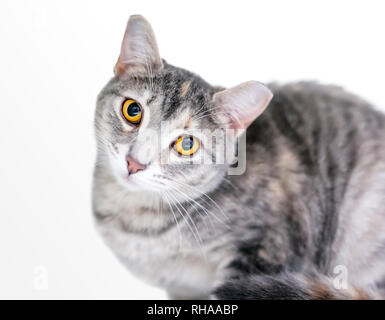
{"x": 161, "y": 128}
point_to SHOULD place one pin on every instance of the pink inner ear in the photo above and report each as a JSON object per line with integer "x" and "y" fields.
{"x": 126, "y": 56}
{"x": 243, "y": 103}
{"x": 139, "y": 48}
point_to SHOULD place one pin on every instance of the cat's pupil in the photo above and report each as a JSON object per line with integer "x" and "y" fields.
{"x": 133, "y": 110}
{"x": 187, "y": 143}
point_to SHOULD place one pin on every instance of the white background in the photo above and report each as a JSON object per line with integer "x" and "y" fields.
{"x": 55, "y": 56}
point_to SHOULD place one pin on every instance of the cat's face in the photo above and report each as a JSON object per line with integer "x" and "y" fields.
{"x": 163, "y": 124}
{"x": 163, "y": 129}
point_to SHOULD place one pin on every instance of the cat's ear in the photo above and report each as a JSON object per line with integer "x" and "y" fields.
{"x": 139, "y": 50}
{"x": 243, "y": 104}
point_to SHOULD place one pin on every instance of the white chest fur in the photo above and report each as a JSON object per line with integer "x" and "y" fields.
{"x": 171, "y": 259}
{"x": 167, "y": 261}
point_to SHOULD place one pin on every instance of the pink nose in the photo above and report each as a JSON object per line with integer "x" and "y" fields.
{"x": 134, "y": 166}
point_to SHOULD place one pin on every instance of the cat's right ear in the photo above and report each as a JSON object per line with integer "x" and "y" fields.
{"x": 243, "y": 104}
{"x": 139, "y": 51}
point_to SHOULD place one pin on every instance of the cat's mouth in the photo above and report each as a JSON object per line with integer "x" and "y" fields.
{"x": 139, "y": 182}
{"x": 130, "y": 179}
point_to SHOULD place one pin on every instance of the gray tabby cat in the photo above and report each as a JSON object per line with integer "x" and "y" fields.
{"x": 306, "y": 220}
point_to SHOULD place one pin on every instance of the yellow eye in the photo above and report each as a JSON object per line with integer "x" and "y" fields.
{"x": 132, "y": 111}
{"x": 186, "y": 145}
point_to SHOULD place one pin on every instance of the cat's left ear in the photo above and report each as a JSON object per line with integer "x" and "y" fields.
{"x": 243, "y": 104}
{"x": 139, "y": 51}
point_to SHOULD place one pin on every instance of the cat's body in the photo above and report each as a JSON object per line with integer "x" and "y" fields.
{"x": 312, "y": 199}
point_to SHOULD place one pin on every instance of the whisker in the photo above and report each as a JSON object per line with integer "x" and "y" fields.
{"x": 196, "y": 235}
{"x": 231, "y": 184}
{"x": 188, "y": 215}
{"x": 199, "y": 211}
{"x": 198, "y": 204}
{"x": 198, "y": 113}
{"x": 176, "y": 220}
{"x": 204, "y": 194}
{"x": 208, "y": 115}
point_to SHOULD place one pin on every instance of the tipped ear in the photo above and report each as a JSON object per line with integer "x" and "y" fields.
{"x": 139, "y": 49}
{"x": 243, "y": 103}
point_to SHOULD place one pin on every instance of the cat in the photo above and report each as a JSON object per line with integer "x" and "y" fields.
{"x": 305, "y": 217}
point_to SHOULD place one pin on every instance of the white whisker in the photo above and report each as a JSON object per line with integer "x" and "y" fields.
{"x": 204, "y": 194}
{"x": 195, "y": 234}
{"x": 175, "y": 218}
{"x": 198, "y": 204}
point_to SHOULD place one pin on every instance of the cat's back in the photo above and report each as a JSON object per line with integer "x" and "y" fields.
{"x": 329, "y": 130}
{"x": 315, "y": 118}
{"x": 339, "y": 141}
{"x": 321, "y": 104}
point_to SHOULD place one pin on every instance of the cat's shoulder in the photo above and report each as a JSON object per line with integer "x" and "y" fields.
{"x": 314, "y": 94}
